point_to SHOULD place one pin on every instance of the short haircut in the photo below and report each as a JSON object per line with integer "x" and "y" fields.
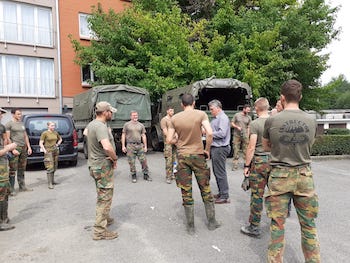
{"x": 13, "y": 111}
{"x": 169, "y": 107}
{"x": 262, "y": 104}
{"x": 50, "y": 122}
{"x": 215, "y": 103}
{"x": 187, "y": 99}
{"x": 291, "y": 90}
{"x": 133, "y": 111}
{"x": 246, "y": 106}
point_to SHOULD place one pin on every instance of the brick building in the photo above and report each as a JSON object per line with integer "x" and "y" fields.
{"x": 37, "y": 72}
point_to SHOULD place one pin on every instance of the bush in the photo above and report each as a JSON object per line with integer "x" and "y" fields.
{"x": 331, "y": 145}
{"x": 337, "y": 131}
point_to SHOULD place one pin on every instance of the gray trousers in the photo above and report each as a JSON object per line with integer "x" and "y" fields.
{"x": 218, "y": 159}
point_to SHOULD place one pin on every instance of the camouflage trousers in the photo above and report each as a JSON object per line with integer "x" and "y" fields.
{"x": 170, "y": 158}
{"x": 239, "y": 142}
{"x": 4, "y": 182}
{"x": 296, "y": 183}
{"x": 133, "y": 151}
{"x": 18, "y": 164}
{"x": 197, "y": 164}
{"x": 51, "y": 159}
{"x": 257, "y": 180}
{"x": 104, "y": 190}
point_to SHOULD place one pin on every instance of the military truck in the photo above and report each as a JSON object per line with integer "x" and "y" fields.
{"x": 232, "y": 93}
{"x": 124, "y": 98}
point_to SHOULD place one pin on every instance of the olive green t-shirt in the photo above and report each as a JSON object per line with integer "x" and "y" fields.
{"x": 257, "y": 127}
{"x": 17, "y": 131}
{"x": 133, "y": 131}
{"x": 97, "y": 131}
{"x": 188, "y": 126}
{"x": 50, "y": 138}
{"x": 242, "y": 121}
{"x": 3, "y": 159}
{"x": 291, "y": 134}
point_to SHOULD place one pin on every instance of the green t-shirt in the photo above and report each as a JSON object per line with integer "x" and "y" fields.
{"x": 291, "y": 134}
{"x": 17, "y": 131}
{"x": 97, "y": 131}
{"x": 3, "y": 159}
{"x": 242, "y": 121}
{"x": 257, "y": 127}
{"x": 50, "y": 138}
{"x": 133, "y": 131}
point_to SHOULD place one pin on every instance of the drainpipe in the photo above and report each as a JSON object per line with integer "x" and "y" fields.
{"x": 59, "y": 59}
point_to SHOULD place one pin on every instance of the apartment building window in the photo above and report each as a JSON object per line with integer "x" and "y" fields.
{"x": 87, "y": 76}
{"x": 26, "y": 76}
{"x": 84, "y": 28}
{"x": 25, "y": 24}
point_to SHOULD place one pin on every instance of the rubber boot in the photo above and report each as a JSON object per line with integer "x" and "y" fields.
{"x": 4, "y": 214}
{"x": 53, "y": 180}
{"x": 210, "y": 212}
{"x": 12, "y": 185}
{"x": 21, "y": 183}
{"x": 4, "y": 226}
{"x": 49, "y": 180}
{"x": 189, "y": 212}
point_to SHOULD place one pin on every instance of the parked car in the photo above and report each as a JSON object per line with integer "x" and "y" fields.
{"x": 35, "y": 124}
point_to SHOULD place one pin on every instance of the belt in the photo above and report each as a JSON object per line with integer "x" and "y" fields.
{"x": 134, "y": 142}
{"x": 220, "y": 146}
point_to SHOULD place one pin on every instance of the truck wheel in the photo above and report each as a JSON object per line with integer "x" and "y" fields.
{"x": 155, "y": 141}
{"x": 85, "y": 149}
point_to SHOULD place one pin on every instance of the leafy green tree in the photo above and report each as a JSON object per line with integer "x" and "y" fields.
{"x": 163, "y": 44}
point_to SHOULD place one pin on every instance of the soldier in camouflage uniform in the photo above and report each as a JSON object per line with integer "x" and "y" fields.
{"x": 191, "y": 158}
{"x": 18, "y": 161}
{"x": 240, "y": 122}
{"x": 169, "y": 149}
{"x": 256, "y": 168}
{"x": 102, "y": 160}
{"x": 49, "y": 143}
{"x": 290, "y": 135}
{"x": 4, "y": 177}
{"x": 135, "y": 139}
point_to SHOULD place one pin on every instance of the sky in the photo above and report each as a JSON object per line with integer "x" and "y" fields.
{"x": 339, "y": 49}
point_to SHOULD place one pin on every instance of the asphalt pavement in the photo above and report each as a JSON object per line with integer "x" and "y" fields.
{"x": 56, "y": 225}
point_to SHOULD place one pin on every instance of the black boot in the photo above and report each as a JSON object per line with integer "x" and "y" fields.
{"x": 210, "y": 212}
{"x": 12, "y": 185}
{"x": 133, "y": 178}
{"x": 189, "y": 212}
{"x": 251, "y": 230}
{"x": 147, "y": 177}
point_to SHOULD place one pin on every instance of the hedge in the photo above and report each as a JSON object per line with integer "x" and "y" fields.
{"x": 331, "y": 145}
{"x": 338, "y": 131}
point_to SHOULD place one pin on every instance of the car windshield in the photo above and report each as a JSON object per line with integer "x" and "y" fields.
{"x": 37, "y": 125}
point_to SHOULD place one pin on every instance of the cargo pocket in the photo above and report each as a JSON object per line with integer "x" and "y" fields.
{"x": 278, "y": 181}
{"x": 306, "y": 185}
{"x": 96, "y": 173}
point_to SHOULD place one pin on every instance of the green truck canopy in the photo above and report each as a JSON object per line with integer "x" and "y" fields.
{"x": 124, "y": 98}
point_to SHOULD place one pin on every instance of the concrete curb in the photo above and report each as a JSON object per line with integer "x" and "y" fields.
{"x": 330, "y": 157}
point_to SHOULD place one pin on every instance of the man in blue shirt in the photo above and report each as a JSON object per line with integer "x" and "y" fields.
{"x": 220, "y": 149}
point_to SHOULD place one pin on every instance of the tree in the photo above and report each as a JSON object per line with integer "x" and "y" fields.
{"x": 160, "y": 45}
